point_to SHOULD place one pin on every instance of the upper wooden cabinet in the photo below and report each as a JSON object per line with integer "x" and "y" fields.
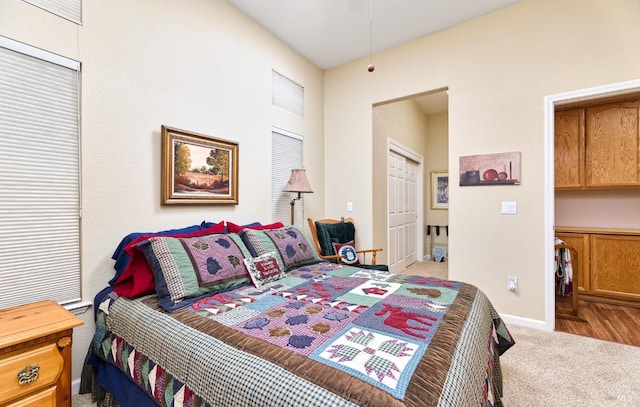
{"x": 569, "y": 149}
{"x": 598, "y": 146}
{"x": 613, "y": 142}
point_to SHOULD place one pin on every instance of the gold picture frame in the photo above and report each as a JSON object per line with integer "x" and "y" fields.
{"x": 440, "y": 189}
{"x": 198, "y": 169}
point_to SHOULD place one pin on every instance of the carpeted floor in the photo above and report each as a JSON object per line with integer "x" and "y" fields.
{"x": 551, "y": 368}
{"x": 559, "y": 369}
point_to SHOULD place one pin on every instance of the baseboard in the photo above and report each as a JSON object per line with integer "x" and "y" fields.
{"x": 75, "y": 387}
{"x": 526, "y": 322}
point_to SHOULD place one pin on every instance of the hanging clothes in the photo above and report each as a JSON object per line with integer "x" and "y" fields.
{"x": 563, "y": 271}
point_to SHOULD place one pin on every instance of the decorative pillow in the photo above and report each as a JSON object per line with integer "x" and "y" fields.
{"x": 348, "y": 252}
{"x": 136, "y": 277}
{"x": 291, "y": 246}
{"x": 185, "y": 268}
{"x": 233, "y": 228}
{"x": 264, "y": 269}
{"x": 122, "y": 258}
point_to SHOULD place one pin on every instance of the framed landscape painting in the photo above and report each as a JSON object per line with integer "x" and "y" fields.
{"x": 198, "y": 169}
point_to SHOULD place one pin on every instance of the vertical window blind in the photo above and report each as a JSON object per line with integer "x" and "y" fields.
{"x": 69, "y": 9}
{"x": 39, "y": 176}
{"x": 286, "y": 155}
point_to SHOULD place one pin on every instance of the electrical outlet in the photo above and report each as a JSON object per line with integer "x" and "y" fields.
{"x": 512, "y": 283}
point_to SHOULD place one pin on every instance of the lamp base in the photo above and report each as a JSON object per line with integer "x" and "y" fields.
{"x": 293, "y": 204}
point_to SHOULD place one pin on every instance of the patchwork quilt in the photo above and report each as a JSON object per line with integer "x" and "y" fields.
{"x": 324, "y": 335}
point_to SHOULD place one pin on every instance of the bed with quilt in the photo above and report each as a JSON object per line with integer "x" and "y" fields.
{"x": 250, "y": 316}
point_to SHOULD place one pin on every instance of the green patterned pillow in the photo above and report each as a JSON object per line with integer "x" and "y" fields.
{"x": 185, "y": 268}
{"x": 290, "y": 244}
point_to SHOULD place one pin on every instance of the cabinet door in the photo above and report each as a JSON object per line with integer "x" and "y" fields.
{"x": 569, "y": 145}
{"x": 580, "y": 242}
{"x": 613, "y": 140}
{"x": 615, "y": 266}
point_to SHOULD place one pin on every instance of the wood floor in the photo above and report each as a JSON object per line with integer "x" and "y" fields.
{"x": 609, "y": 322}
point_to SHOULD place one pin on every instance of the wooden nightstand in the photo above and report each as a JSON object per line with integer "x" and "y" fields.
{"x": 35, "y": 355}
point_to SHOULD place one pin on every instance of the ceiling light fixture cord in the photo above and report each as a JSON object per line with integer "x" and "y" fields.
{"x": 371, "y": 67}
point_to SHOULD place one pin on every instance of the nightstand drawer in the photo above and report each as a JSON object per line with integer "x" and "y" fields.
{"x": 39, "y": 367}
{"x": 44, "y": 398}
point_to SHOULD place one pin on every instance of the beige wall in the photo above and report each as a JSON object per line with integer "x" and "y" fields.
{"x": 598, "y": 208}
{"x": 498, "y": 69}
{"x": 204, "y": 67}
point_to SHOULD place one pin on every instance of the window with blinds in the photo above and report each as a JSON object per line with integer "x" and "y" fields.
{"x": 286, "y": 154}
{"x": 69, "y": 9}
{"x": 39, "y": 176}
{"x": 287, "y": 94}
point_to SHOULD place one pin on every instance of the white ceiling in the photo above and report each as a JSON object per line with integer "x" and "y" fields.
{"x": 333, "y": 32}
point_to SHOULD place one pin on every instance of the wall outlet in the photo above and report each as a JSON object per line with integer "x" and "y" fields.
{"x": 512, "y": 283}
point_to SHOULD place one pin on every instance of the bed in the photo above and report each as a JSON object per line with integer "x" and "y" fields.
{"x": 251, "y": 316}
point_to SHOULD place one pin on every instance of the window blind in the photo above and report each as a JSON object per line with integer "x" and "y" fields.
{"x": 39, "y": 176}
{"x": 286, "y": 155}
{"x": 287, "y": 94}
{"x": 69, "y": 9}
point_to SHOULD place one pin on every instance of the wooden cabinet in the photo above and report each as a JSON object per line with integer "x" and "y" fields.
{"x": 35, "y": 355}
{"x": 598, "y": 146}
{"x": 580, "y": 242}
{"x": 609, "y": 262}
{"x": 613, "y": 145}
{"x": 615, "y": 266}
{"x": 569, "y": 149}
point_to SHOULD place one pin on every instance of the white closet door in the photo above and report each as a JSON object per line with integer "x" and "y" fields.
{"x": 402, "y": 216}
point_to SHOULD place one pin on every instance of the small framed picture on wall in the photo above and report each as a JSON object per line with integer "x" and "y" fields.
{"x": 440, "y": 189}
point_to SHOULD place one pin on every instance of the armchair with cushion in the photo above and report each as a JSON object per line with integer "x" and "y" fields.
{"x": 335, "y": 242}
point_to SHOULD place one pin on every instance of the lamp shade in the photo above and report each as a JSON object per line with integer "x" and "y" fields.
{"x": 298, "y": 182}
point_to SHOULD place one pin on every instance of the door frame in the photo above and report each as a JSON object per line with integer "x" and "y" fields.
{"x": 550, "y": 103}
{"x": 398, "y": 148}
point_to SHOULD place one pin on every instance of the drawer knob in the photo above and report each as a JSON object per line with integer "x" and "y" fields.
{"x": 64, "y": 342}
{"x": 28, "y": 374}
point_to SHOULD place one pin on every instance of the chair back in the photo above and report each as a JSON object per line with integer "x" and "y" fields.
{"x": 328, "y": 231}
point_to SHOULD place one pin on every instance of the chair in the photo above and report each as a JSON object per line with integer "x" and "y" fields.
{"x": 335, "y": 241}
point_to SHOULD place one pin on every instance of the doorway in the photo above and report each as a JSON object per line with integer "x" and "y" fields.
{"x": 416, "y": 128}
{"x": 551, "y": 103}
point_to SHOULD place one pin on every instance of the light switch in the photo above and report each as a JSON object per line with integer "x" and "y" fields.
{"x": 509, "y": 207}
{"x": 349, "y": 206}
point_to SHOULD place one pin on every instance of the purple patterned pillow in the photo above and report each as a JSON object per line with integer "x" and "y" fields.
{"x": 290, "y": 244}
{"x": 186, "y": 268}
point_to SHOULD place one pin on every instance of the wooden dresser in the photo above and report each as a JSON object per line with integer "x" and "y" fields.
{"x": 35, "y": 355}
